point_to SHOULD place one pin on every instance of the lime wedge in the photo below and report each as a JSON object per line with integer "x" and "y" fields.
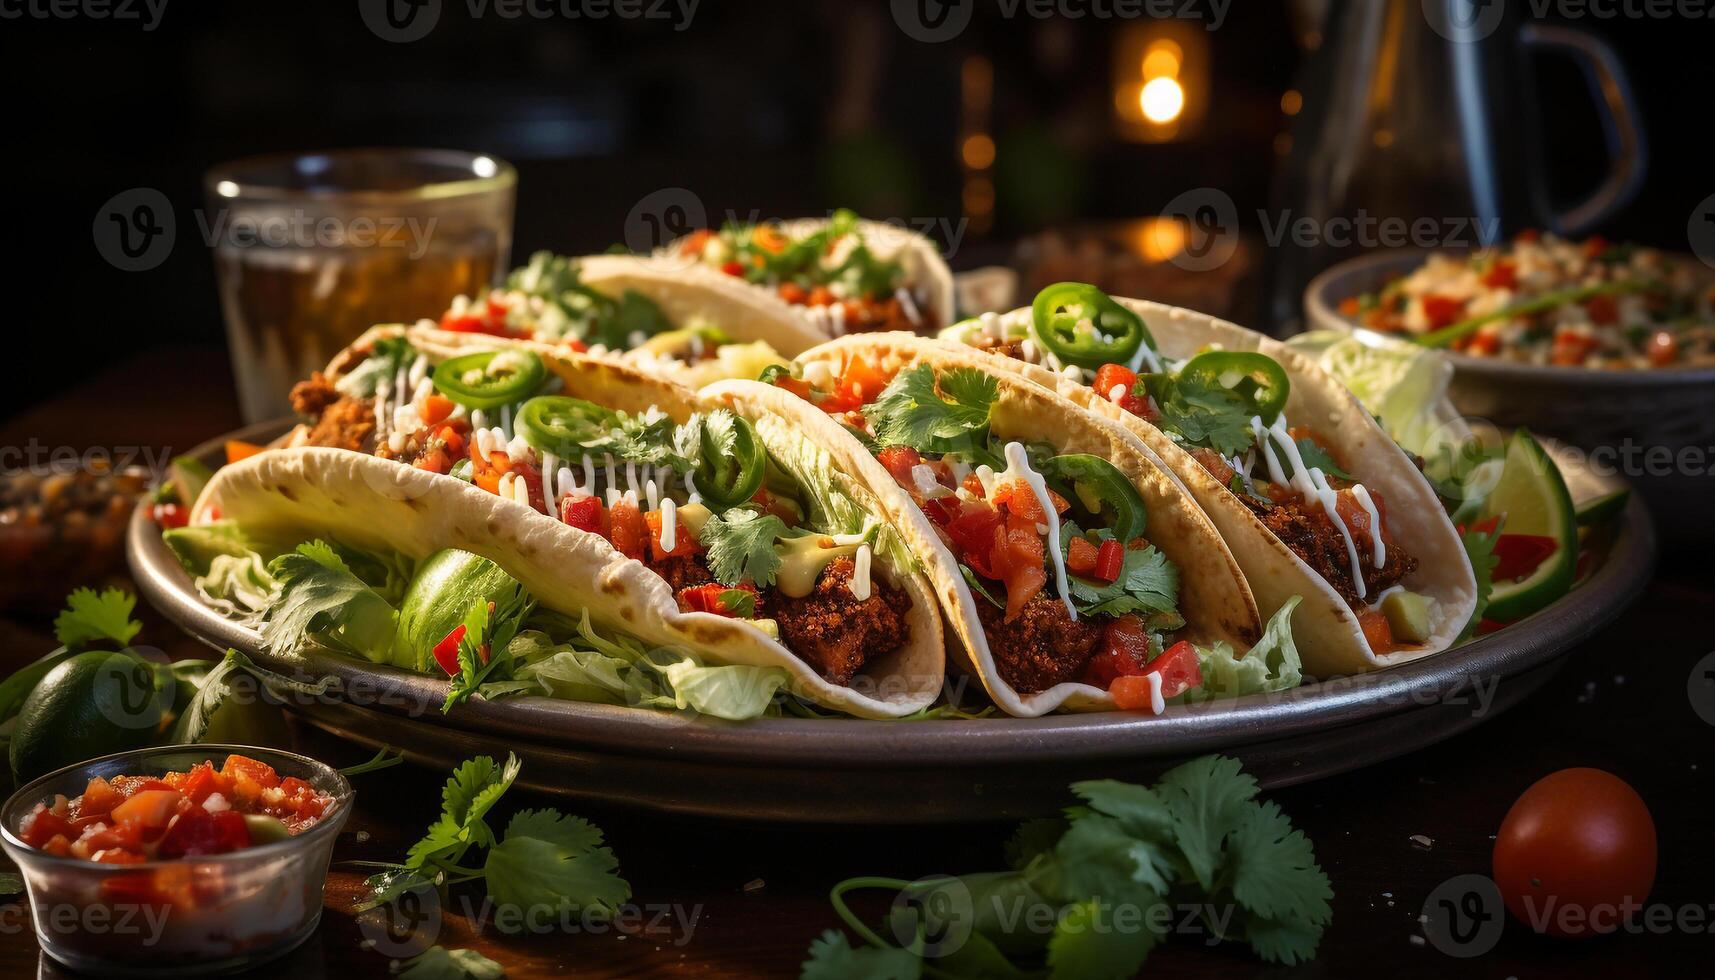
{"x": 1532, "y": 496}
{"x": 1601, "y": 510}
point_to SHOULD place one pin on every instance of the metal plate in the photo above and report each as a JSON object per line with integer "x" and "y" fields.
{"x": 851, "y": 771}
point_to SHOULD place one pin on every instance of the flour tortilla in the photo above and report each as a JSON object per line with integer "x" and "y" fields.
{"x": 1329, "y": 638}
{"x": 1213, "y": 597}
{"x": 916, "y": 253}
{"x": 368, "y": 502}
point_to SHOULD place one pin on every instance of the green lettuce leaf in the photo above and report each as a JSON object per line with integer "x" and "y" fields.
{"x": 1272, "y": 664}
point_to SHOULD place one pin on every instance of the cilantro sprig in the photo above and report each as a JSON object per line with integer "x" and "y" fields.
{"x": 740, "y": 546}
{"x": 90, "y": 616}
{"x": 1147, "y": 582}
{"x": 543, "y": 859}
{"x": 1199, "y": 412}
{"x": 934, "y": 414}
{"x": 1198, "y": 838}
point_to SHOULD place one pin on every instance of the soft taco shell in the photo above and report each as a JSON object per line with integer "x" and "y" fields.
{"x": 1329, "y": 638}
{"x": 1213, "y": 596}
{"x": 368, "y": 502}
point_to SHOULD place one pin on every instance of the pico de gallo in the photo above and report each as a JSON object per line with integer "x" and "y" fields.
{"x": 842, "y": 280}
{"x": 1052, "y": 546}
{"x": 732, "y": 528}
{"x": 1542, "y": 299}
{"x": 1226, "y": 409}
{"x": 547, "y": 300}
{"x": 199, "y": 812}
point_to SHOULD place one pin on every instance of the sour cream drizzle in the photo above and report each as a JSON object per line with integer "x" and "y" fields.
{"x": 1309, "y": 482}
{"x": 1018, "y": 467}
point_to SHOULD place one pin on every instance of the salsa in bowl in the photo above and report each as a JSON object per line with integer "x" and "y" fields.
{"x": 195, "y": 858}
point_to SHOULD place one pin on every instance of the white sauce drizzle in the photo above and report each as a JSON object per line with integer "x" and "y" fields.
{"x": 1378, "y": 547}
{"x": 1309, "y": 482}
{"x": 1156, "y": 704}
{"x": 1018, "y": 467}
{"x": 549, "y": 465}
{"x": 860, "y": 574}
{"x": 669, "y": 522}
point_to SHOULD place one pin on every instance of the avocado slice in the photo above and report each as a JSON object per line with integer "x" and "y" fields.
{"x": 1411, "y": 617}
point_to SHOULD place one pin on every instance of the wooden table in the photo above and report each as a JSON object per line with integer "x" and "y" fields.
{"x": 758, "y": 894}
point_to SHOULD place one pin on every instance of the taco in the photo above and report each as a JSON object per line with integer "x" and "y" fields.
{"x": 839, "y": 274}
{"x": 1075, "y": 572}
{"x": 610, "y": 493}
{"x": 691, "y": 325}
{"x": 1311, "y": 494}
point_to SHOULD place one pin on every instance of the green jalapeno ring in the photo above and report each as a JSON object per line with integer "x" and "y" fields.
{"x": 728, "y": 479}
{"x": 1057, "y": 316}
{"x": 561, "y": 425}
{"x": 1257, "y": 377}
{"x": 523, "y": 373}
{"x": 1104, "y": 491}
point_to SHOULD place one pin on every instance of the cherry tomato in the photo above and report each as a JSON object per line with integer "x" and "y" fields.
{"x": 1574, "y": 852}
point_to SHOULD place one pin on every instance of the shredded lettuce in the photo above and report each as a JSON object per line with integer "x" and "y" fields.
{"x": 1271, "y": 665}
{"x": 1403, "y": 384}
{"x": 197, "y": 546}
{"x": 828, "y": 507}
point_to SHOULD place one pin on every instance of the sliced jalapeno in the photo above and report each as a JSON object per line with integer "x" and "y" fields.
{"x": 1082, "y": 325}
{"x": 1104, "y": 491}
{"x": 1258, "y": 377}
{"x": 490, "y": 379}
{"x": 562, "y": 425}
{"x": 729, "y": 476}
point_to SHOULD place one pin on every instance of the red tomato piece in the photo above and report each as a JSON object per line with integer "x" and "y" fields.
{"x": 170, "y": 515}
{"x": 1110, "y": 375}
{"x": 447, "y": 651}
{"x": 197, "y": 831}
{"x": 1576, "y": 848}
{"x": 684, "y": 543}
{"x": 973, "y": 531}
{"x": 243, "y": 766}
{"x": 1124, "y": 651}
{"x": 1081, "y": 557}
{"x": 1521, "y": 554}
{"x": 629, "y": 534}
{"x": 1442, "y": 310}
{"x": 149, "y": 808}
{"x": 1502, "y": 275}
{"x": 1110, "y": 559}
{"x": 898, "y": 461}
{"x": 732, "y": 268}
{"x": 434, "y": 409}
{"x": 42, "y": 824}
{"x": 1179, "y": 669}
{"x": 1602, "y": 310}
{"x": 98, "y": 799}
{"x": 583, "y": 513}
{"x": 1017, "y": 560}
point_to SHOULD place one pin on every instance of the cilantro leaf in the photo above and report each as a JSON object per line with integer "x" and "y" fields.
{"x": 1087, "y": 945}
{"x": 1147, "y": 581}
{"x": 217, "y": 686}
{"x": 550, "y": 861}
{"x": 438, "y": 963}
{"x": 1273, "y": 869}
{"x": 1033, "y": 837}
{"x": 912, "y": 412}
{"x": 741, "y": 546}
{"x": 1201, "y": 413}
{"x": 1098, "y": 856}
{"x": 1315, "y": 457}
{"x": 833, "y": 958}
{"x": 90, "y": 616}
{"x": 473, "y": 789}
{"x": 1139, "y": 809}
{"x": 1281, "y": 941}
{"x": 1206, "y": 798}
{"x": 1480, "y": 549}
{"x": 739, "y": 602}
{"x": 484, "y": 653}
{"x": 321, "y": 601}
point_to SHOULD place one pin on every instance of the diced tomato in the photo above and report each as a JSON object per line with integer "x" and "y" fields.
{"x": 1017, "y": 560}
{"x": 707, "y": 598}
{"x": 583, "y": 513}
{"x": 1570, "y": 349}
{"x": 767, "y": 238}
{"x": 117, "y": 855}
{"x": 434, "y": 409}
{"x": 793, "y": 293}
{"x": 1110, "y": 559}
{"x": 859, "y": 385}
{"x": 453, "y": 438}
{"x": 1442, "y": 310}
{"x": 243, "y": 766}
{"x": 197, "y": 831}
{"x": 899, "y": 461}
{"x": 684, "y": 543}
{"x": 732, "y": 268}
{"x": 150, "y": 808}
{"x": 1356, "y": 518}
{"x": 1662, "y": 349}
{"x": 973, "y": 485}
{"x": 629, "y": 533}
{"x": 1124, "y": 651}
{"x": 1108, "y": 376}
{"x": 1023, "y": 510}
{"x": 821, "y": 296}
{"x": 1349, "y": 306}
{"x": 447, "y": 651}
{"x": 532, "y": 479}
{"x": 1502, "y": 275}
{"x": 941, "y": 511}
{"x": 1481, "y": 344}
{"x": 1602, "y": 310}
{"x": 42, "y": 824}
{"x": 1216, "y": 464}
{"x": 1377, "y": 630}
{"x": 1081, "y": 557}
{"x": 1521, "y": 554}
{"x": 123, "y": 834}
{"x": 237, "y": 450}
{"x": 98, "y": 799}
{"x": 796, "y": 386}
{"x": 169, "y": 515}
{"x": 195, "y": 785}
{"x": 973, "y": 532}
{"x": 1178, "y": 668}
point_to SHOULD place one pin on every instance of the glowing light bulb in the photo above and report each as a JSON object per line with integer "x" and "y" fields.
{"x": 1162, "y": 100}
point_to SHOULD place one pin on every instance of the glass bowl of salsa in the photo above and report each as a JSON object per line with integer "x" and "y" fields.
{"x": 177, "y": 859}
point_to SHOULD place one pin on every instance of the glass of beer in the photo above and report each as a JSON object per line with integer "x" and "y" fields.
{"x": 312, "y": 249}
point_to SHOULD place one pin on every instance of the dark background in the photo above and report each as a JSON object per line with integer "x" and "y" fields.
{"x": 783, "y": 106}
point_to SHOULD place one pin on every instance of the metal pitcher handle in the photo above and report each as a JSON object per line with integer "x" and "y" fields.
{"x": 1621, "y": 124}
